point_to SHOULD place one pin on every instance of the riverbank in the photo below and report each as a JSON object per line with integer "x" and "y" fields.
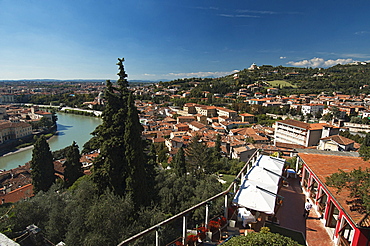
{"x": 17, "y": 150}
{"x": 71, "y": 127}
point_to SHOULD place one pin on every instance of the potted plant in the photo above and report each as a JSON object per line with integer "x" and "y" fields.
{"x": 201, "y": 232}
{"x": 191, "y": 240}
{"x": 213, "y": 225}
{"x": 222, "y": 221}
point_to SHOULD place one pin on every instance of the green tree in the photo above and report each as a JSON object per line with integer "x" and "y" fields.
{"x": 263, "y": 238}
{"x": 110, "y": 167}
{"x": 217, "y": 149}
{"x": 121, "y": 165}
{"x": 178, "y": 162}
{"x": 137, "y": 175}
{"x": 365, "y": 148}
{"x": 327, "y": 117}
{"x": 72, "y": 165}
{"x": 42, "y": 166}
{"x": 45, "y": 123}
{"x": 357, "y": 182}
{"x": 199, "y": 157}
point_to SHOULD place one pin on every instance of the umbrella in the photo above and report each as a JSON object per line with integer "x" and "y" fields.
{"x": 257, "y": 196}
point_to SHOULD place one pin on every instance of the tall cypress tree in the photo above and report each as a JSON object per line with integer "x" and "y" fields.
{"x": 72, "y": 165}
{"x": 42, "y": 166}
{"x": 121, "y": 165}
{"x": 136, "y": 176}
{"x": 178, "y": 162}
{"x": 110, "y": 166}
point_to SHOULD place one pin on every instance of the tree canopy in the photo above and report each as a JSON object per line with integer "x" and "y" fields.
{"x": 42, "y": 166}
{"x": 357, "y": 182}
{"x": 121, "y": 165}
{"x": 263, "y": 238}
{"x": 72, "y": 165}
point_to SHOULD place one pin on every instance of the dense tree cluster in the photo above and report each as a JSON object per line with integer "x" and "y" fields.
{"x": 66, "y": 99}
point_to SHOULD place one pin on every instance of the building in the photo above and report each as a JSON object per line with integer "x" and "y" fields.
{"x": 242, "y": 153}
{"x": 336, "y": 143}
{"x": 183, "y": 119}
{"x": 301, "y": 133}
{"x": 247, "y": 118}
{"x": 227, "y": 112}
{"x": 13, "y": 130}
{"x": 344, "y": 220}
{"x": 312, "y": 109}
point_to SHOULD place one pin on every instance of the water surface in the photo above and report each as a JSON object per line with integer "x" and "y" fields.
{"x": 70, "y": 128}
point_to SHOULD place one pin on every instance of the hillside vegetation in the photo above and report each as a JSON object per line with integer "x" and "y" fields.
{"x": 348, "y": 79}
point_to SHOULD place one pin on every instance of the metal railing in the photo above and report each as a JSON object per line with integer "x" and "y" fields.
{"x": 185, "y": 212}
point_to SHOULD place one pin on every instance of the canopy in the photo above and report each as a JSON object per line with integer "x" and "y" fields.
{"x": 262, "y": 175}
{"x": 260, "y": 185}
{"x": 251, "y": 195}
{"x": 271, "y": 163}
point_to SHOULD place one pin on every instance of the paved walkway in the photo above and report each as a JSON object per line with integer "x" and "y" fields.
{"x": 290, "y": 215}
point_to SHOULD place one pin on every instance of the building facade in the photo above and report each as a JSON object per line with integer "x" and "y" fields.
{"x": 343, "y": 219}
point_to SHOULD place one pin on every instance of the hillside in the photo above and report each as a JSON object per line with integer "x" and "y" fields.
{"x": 349, "y": 79}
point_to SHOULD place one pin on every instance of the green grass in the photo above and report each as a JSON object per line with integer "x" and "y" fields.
{"x": 228, "y": 178}
{"x": 282, "y": 83}
{"x": 295, "y": 235}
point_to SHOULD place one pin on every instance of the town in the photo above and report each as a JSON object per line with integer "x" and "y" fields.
{"x": 314, "y": 133}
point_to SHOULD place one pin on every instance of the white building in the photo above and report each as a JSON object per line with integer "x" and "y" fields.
{"x": 305, "y": 134}
{"x": 312, "y": 109}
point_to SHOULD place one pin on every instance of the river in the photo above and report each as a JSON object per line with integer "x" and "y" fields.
{"x": 71, "y": 128}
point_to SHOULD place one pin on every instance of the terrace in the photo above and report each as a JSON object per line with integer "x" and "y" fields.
{"x": 246, "y": 209}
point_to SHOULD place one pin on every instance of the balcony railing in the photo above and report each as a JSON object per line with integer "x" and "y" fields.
{"x": 185, "y": 212}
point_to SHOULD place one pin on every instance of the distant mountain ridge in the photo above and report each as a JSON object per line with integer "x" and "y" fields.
{"x": 77, "y": 80}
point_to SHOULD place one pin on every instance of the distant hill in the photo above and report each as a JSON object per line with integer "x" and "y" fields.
{"x": 353, "y": 79}
{"x": 78, "y": 80}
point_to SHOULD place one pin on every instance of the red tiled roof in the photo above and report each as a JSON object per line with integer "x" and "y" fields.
{"x": 324, "y": 165}
{"x": 18, "y": 194}
{"x": 339, "y": 139}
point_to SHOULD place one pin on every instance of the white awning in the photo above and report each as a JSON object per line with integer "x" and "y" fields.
{"x": 271, "y": 163}
{"x": 260, "y": 185}
{"x": 253, "y": 196}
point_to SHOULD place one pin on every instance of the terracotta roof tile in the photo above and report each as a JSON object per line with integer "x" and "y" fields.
{"x": 324, "y": 165}
{"x": 339, "y": 139}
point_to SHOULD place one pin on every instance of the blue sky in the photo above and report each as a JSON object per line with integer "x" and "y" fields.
{"x": 169, "y": 39}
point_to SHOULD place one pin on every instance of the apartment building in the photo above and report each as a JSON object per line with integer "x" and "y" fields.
{"x": 227, "y": 112}
{"x": 301, "y": 133}
{"x": 11, "y": 130}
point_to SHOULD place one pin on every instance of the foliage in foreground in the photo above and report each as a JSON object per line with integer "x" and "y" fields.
{"x": 263, "y": 238}
{"x": 357, "y": 182}
{"x": 81, "y": 215}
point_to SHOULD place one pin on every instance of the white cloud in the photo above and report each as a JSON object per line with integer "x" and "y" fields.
{"x": 200, "y": 74}
{"x": 362, "y": 32}
{"x": 256, "y": 11}
{"x": 356, "y": 55}
{"x": 282, "y": 57}
{"x": 239, "y": 16}
{"x": 320, "y": 62}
